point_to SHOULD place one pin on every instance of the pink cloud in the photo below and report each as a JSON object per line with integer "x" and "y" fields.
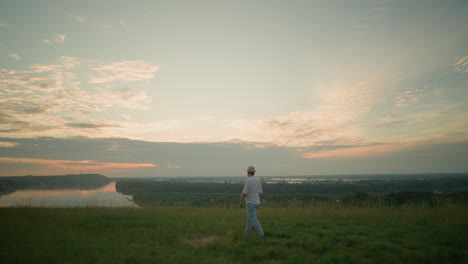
{"x": 357, "y": 152}
{"x": 77, "y": 165}
{"x": 387, "y": 147}
{"x": 8, "y": 144}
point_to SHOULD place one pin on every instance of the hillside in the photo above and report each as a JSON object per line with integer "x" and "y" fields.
{"x": 214, "y": 235}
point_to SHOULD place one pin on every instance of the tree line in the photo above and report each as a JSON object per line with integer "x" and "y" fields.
{"x": 70, "y": 181}
{"x": 364, "y": 193}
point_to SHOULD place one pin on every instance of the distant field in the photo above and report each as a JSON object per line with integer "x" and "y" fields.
{"x": 213, "y": 235}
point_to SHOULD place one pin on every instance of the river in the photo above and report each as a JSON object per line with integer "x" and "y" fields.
{"x": 106, "y": 196}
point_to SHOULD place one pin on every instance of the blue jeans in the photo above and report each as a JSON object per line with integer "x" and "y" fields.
{"x": 252, "y": 220}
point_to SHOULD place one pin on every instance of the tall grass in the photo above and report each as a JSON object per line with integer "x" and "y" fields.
{"x": 214, "y": 235}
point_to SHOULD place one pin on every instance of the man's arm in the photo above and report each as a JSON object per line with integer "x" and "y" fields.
{"x": 241, "y": 202}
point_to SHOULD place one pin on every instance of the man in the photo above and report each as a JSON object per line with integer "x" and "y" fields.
{"x": 251, "y": 195}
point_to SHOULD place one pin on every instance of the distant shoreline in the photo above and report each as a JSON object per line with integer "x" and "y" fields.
{"x": 10, "y": 184}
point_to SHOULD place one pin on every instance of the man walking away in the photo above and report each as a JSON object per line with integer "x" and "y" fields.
{"x": 251, "y": 195}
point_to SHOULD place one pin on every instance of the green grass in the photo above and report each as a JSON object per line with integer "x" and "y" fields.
{"x": 213, "y": 235}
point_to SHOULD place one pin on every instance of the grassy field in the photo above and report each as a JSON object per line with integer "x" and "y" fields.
{"x": 213, "y": 235}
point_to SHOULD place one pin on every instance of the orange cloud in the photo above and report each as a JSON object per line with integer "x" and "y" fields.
{"x": 8, "y": 144}
{"x": 356, "y": 152}
{"x": 77, "y": 165}
{"x": 388, "y": 147}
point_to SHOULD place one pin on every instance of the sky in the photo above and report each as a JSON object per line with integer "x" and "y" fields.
{"x": 207, "y": 88}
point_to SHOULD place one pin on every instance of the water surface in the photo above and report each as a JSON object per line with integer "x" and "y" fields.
{"x": 106, "y": 196}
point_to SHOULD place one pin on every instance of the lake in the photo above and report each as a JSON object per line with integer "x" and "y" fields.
{"x": 106, "y": 196}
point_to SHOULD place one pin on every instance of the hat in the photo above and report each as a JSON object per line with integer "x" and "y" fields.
{"x": 251, "y": 169}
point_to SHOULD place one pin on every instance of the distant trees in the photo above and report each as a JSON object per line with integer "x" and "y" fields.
{"x": 371, "y": 193}
{"x": 70, "y": 181}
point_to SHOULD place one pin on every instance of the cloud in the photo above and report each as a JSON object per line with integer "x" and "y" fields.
{"x": 446, "y": 153}
{"x": 77, "y": 17}
{"x": 356, "y": 152}
{"x": 126, "y": 97}
{"x": 170, "y": 130}
{"x": 70, "y": 62}
{"x": 76, "y": 165}
{"x": 91, "y": 125}
{"x": 407, "y": 97}
{"x": 11, "y": 123}
{"x": 458, "y": 122}
{"x": 328, "y": 121}
{"x": 8, "y": 144}
{"x": 14, "y": 56}
{"x": 49, "y": 99}
{"x": 56, "y": 39}
{"x": 124, "y": 71}
{"x": 30, "y": 105}
{"x": 434, "y": 115}
{"x": 386, "y": 148}
{"x": 191, "y": 157}
{"x": 38, "y": 68}
{"x": 21, "y": 81}
{"x": 19, "y": 107}
{"x": 461, "y": 64}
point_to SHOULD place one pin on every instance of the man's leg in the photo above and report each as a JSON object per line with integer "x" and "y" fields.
{"x": 256, "y": 223}
{"x": 252, "y": 220}
{"x": 249, "y": 225}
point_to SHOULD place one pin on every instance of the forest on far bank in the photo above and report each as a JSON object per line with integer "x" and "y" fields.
{"x": 432, "y": 192}
{"x": 52, "y": 182}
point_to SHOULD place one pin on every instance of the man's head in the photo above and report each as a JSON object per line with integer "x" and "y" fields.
{"x": 251, "y": 171}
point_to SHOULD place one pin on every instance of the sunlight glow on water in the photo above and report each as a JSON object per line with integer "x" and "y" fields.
{"x": 107, "y": 196}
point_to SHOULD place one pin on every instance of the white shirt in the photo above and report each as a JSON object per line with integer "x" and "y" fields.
{"x": 252, "y": 188}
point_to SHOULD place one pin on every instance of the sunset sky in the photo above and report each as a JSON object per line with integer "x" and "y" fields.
{"x": 207, "y": 88}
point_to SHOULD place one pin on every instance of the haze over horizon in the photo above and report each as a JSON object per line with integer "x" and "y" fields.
{"x": 206, "y": 88}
